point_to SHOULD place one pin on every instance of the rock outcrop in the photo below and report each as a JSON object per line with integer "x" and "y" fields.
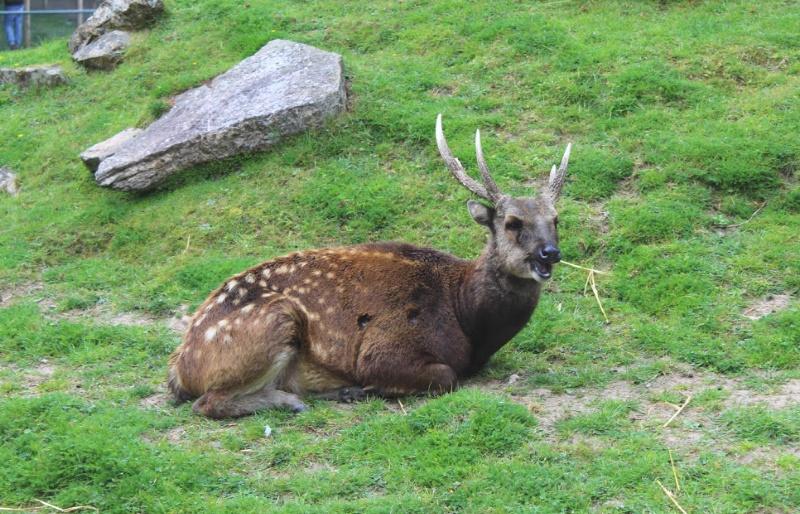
{"x": 33, "y": 76}
{"x": 92, "y": 156}
{"x": 285, "y": 88}
{"x": 105, "y": 52}
{"x": 128, "y": 15}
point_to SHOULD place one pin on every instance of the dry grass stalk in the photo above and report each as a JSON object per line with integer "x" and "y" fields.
{"x": 401, "y": 407}
{"x": 671, "y": 497}
{"x": 48, "y": 506}
{"x": 674, "y": 472}
{"x": 590, "y": 282}
{"x": 688, "y": 399}
{"x": 734, "y": 225}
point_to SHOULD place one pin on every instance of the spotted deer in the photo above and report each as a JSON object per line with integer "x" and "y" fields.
{"x": 387, "y": 318}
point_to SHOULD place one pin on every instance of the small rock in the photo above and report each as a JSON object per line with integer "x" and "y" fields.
{"x": 8, "y": 181}
{"x": 284, "y": 89}
{"x": 105, "y": 149}
{"x": 105, "y": 52}
{"x": 116, "y": 15}
{"x": 267, "y": 431}
{"x": 513, "y": 379}
{"x": 33, "y": 76}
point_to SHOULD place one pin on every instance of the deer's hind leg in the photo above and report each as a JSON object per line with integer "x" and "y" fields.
{"x": 240, "y": 364}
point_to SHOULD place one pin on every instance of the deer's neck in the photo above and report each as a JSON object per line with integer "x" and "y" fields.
{"x": 493, "y": 306}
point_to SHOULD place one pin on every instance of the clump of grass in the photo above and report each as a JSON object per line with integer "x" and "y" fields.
{"x": 610, "y": 418}
{"x": 764, "y": 425}
{"x": 595, "y": 173}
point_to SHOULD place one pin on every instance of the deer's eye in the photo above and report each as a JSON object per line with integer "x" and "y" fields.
{"x": 514, "y": 224}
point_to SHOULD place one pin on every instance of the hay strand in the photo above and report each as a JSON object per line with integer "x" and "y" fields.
{"x": 671, "y": 497}
{"x": 590, "y": 282}
{"x": 688, "y": 399}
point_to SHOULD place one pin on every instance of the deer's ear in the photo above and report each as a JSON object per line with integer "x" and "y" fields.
{"x": 482, "y": 214}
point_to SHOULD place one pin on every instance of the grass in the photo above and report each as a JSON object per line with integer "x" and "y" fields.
{"x": 683, "y": 115}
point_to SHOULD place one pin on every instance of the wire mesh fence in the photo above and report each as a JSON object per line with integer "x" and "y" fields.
{"x": 40, "y": 21}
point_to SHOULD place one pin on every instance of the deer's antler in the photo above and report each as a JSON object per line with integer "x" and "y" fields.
{"x": 557, "y": 175}
{"x": 489, "y": 191}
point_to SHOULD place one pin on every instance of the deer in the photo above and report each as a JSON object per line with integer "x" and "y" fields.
{"x": 387, "y": 319}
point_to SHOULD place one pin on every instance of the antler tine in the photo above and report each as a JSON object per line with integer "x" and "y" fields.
{"x": 455, "y": 166}
{"x": 557, "y": 175}
{"x": 491, "y": 186}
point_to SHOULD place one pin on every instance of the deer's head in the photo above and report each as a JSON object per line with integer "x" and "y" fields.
{"x": 524, "y": 230}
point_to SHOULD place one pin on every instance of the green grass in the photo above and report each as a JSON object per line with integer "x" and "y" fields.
{"x": 684, "y": 117}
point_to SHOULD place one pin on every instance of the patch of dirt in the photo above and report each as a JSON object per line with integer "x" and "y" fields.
{"x": 155, "y": 401}
{"x": 9, "y": 294}
{"x": 176, "y": 435}
{"x": 693, "y": 429}
{"x": 786, "y": 395}
{"x": 766, "y": 455}
{"x": 103, "y": 316}
{"x": 34, "y": 377}
{"x": 766, "y": 306}
{"x": 178, "y": 323}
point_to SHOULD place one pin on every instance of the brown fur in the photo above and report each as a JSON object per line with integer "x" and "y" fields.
{"x": 390, "y": 318}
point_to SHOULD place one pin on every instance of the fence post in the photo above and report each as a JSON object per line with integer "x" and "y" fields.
{"x": 27, "y": 24}
{"x": 80, "y": 14}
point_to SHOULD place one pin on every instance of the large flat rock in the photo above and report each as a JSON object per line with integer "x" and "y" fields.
{"x": 285, "y": 88}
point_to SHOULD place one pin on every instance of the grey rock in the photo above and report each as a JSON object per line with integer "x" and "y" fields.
{"x": 116, "y": 15}
{"x": 33, "y": 76}
{"x": 105, "y": 52}
{"x": 8, "y": 181}
{"x": 285, "y": 88}
{"x": 92, "y": 156}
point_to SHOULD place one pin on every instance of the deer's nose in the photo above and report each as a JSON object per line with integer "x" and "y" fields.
{"x": 549, "y": 253}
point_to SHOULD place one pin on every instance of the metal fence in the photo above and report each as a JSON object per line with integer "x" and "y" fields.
{"x": 42, "y": 24}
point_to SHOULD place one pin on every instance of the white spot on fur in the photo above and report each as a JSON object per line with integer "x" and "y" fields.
{"x": 330, "y": 274}
{"x": 302, "y": 290}
{"x": 262, "y": 283}
{"x": 237, "y": 301}
{"x": 247, "y": 308}
{"x": 316, "y": 273}
{"x": 199, "y": 320}
{"x": 210, "y": 333}
{"x": 313, "y": 316}
{"x": 267, "y": 272}
{"x": 231, "y": 285}
{"x": 227, "y": 339}
{"x": 302, "y": 264}
{"x": 321, "y": 300}
{"x": 250, "y": 278}
{"x": 242, "y": 292}
{"x": 221, "y": 298}
{"x": 292, "y": 268}
{"x": 282, "y": 269}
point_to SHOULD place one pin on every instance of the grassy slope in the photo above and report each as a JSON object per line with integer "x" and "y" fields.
{"x": 684, "y": 115}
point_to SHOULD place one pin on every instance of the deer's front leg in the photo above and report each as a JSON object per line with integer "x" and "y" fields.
{"x": 388, "y": 374}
